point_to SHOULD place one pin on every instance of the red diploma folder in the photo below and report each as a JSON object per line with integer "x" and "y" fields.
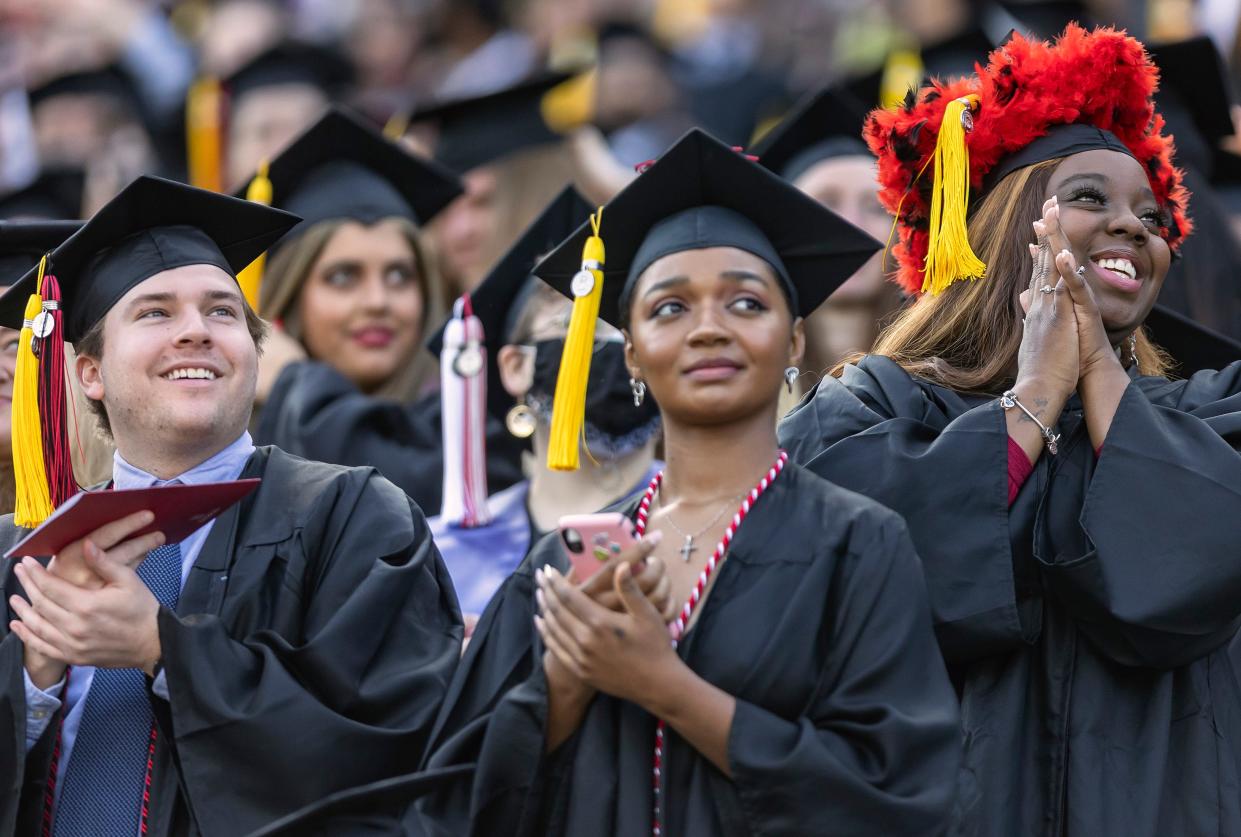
{"x": 179, "y": 511}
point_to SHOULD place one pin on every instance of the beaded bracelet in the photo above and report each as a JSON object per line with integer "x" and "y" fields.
{"x": 1009, "y": 400}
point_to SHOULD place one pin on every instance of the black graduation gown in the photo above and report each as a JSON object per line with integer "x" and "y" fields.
{"x": 315, "y": 412}
{"x": 311, "y": 648}
{"x": 1085, "y": 626}
{"x": 818, "y": 624}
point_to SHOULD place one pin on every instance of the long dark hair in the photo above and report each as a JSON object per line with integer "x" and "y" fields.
{"x": 967, "y": 337}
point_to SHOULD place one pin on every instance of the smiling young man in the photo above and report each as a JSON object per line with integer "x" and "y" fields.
{"x": 201, "y": 687}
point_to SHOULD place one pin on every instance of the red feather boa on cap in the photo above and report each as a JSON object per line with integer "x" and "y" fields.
{"x": 1102, "y": 78}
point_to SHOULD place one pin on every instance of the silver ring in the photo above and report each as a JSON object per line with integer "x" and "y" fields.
{"x": 1081, "y": 271}
{"x": 1047, "y": 289}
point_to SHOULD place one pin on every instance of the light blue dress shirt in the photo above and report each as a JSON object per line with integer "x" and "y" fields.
{"x": 41, "y": 706}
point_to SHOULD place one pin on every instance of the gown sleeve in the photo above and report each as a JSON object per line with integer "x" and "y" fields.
{"x": 494, "y": 714}
{"x": 1154, "y": 578}
{"x": 351, "y": 699}
{"x": 24, "y": 769}
{"x": 316, "y": 413}
{"x": 877, "y": 750}
{"x": 944, "y": 468}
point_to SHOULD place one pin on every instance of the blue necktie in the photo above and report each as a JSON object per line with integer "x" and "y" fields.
{"x": 102, "y": 793}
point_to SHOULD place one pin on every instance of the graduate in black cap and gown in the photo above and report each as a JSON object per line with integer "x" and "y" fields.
{"x": 507, "y": 147}
{"x": 296, "y": 645}
{"x": 524, "y": 322}
{"x": 353, "y": 288}
{"x": 1076, "y": 508}
{"x": 804, "y": 694}
{"x": 818, "y": 148}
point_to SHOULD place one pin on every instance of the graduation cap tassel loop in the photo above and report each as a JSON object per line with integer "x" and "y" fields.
{"x": 34, "y": 503}
{"x": 251, "y": 278}
{"x": 569, "y": 402}
{"x": 57, "y": 456}
{"x": 463, "y": 399}
{"x": 949, "y": 256}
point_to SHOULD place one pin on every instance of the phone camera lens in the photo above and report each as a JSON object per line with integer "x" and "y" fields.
{"x": 573, "y": 540}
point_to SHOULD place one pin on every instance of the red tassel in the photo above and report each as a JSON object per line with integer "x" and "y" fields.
{"x": 52, "y": 401}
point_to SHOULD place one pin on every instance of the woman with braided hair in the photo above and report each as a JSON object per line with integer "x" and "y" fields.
{"x": 1075, "y": 508}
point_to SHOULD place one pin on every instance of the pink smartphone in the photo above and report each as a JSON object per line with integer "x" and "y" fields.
{"x": 591, "y": 539}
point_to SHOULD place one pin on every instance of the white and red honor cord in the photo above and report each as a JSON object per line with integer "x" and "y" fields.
{"x": 677, "y": 629}
{"x": 463, "y": 409}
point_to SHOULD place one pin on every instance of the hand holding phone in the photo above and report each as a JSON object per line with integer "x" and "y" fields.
{"x": 591, "y": 540}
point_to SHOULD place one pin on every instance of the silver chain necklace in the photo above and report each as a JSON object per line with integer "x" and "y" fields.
{"x": 688, "y": 548}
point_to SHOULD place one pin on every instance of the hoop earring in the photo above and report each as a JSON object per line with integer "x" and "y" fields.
{"x": 791, "y": 374}
{"x": 521, "y": 421}
{"x": 638, "y": 388}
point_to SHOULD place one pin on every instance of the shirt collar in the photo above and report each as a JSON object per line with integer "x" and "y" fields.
{"x": 221, "y": 467}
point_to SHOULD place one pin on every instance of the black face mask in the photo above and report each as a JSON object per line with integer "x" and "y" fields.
{"x": 614, "y": 426}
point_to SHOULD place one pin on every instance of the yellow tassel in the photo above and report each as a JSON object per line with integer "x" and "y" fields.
{"x": 251, "y": 277}
{"x": 34, "y": 503}
{"x": 203, "y": 132}
{"x": 396, "y": 126}
{"x": 570, "y": 104}
{"x": 902, "y": 72}
{"x": 569, "y": 402}
{"x": 948, "y": 255}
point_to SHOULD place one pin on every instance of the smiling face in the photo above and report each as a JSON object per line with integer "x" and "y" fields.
{"x": 179, "y": 364}
{"x": 711, "y": 333}
{"x": 1112, "y": 222}
{"x": 361, "y": 308}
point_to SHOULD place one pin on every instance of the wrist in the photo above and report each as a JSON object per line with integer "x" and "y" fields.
{"x": 1101, "y": 366}
{"x": 1034, "y": 387}
{"x": 152, "y": 654}
{"x": 563, "y": 684}
{"x": 669, "y": 685}
{"x": 43, "y": 672}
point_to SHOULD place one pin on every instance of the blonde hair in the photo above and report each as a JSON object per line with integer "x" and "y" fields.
{"x": 289, "y": 268}
{"x": 966, "y": 338}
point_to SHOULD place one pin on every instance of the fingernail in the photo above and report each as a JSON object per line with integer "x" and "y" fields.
{"x": 655, "y": 537}
{"x": 538, "y": 575}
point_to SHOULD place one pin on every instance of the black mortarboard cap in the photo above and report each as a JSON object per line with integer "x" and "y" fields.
{"x": 956, "y": 56}
{"x": 23, "y": 244}
{"x": 701, "y": 193}
{"x": 341, "y": 167}
{"x": 56, "y": 193}
{"x": 1193, "y": 346}
{"x": 153, "y": 225}
{"x": 477, "y": 130}
{"x": 504, "y": 289}
{"x": 1194, "y": 98}
{"x": 1226, "y": 179}
{"x": 111, "y": 81}
{"x": 823, "y": 124}
{"x": 292, "y": 62}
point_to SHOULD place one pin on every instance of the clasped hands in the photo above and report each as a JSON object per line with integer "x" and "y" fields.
{"x": 609, "y": 634}
{"x": 88, "y": 606}
{"x": 1065, "y": 341}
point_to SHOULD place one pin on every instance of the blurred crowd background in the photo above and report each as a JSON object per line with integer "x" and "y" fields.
{"x": 94, "y": 92}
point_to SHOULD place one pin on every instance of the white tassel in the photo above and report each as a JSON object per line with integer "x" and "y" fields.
{"x": 463, "y": 399}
